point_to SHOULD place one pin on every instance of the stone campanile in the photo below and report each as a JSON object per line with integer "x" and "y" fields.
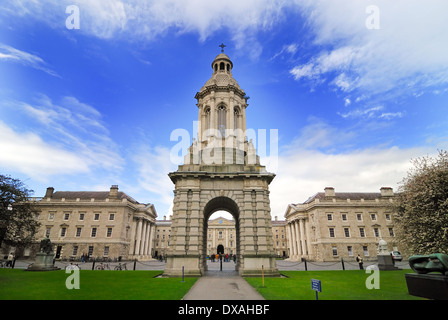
{"x": 221, "y": 172}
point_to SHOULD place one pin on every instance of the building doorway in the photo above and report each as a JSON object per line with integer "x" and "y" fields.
{"x": 220, "y": 249}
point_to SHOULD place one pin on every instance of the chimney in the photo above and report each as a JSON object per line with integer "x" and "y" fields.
{"x": 164, "y": 218}
{"x": 49, "y": 192}
{"x": 113, "y": 192}
{"x": 276, "y": 218}
{"x": 329, "y": 192}
{"x": 387, "y": 192}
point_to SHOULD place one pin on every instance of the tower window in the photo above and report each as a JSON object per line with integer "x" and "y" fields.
{"x": 235, "y": 118}
{"x": 207, "y": 118}
{"x": 228, "y": 67}
{"x": 216, "y": 67}
{"x": 222, "y": 120}
{"x": 222, "y": 66}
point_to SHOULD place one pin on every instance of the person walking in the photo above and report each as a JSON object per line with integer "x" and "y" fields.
{"x": 10, "y": 260}
{"x": 359, "y": 260}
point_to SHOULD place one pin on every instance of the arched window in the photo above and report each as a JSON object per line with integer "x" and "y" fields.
{"x": 207, "y": 118}
{"x": 222, "y": 120}
{"x": 216, "y": 67}
{"x": 228, "y": 67}
{"x": 222, "y": 66}
{"x": 236, "y": 113}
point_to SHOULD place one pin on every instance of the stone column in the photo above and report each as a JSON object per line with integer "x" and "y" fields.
{"x": 143, "y": 245}
{"x": 289, "y": 240}
{"x": 294, "y": 240}
{"x": 138, "y": 236}
{"x": 302, "y": 236}
{"x": 132, "y": 244}
{"x": 151, "y": 239}
{"x": 308, "y": 238}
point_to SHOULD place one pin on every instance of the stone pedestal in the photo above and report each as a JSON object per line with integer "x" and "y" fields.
{"x": 43, "y": 262}
{"x": 430, "y": 286}
{"x": 385, "y": 263}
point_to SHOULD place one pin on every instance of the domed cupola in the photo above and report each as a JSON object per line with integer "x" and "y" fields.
{"x": 222, "y": 74}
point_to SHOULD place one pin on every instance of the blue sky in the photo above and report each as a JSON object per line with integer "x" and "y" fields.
{"x": 83, "y": 109}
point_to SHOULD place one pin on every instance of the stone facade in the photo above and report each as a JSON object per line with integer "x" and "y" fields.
{"x": 220, "y": 232}
{"x": 107, "y": 224}
{"x": 332, "y": 225}
{"x": 221, "y": 172}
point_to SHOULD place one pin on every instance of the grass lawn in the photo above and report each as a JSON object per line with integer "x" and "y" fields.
{"x": 17, "y": 284}
{"x": 336, "y": 285}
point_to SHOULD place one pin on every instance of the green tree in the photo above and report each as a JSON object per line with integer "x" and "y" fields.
{"x": 421, "y": 206}
{"x": 18, "y": 223}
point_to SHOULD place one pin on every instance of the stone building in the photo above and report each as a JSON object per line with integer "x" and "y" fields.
{"x": 102, "y": 224}
{"x": 221, "y": 171}
{"x": 221, "y": 237}
{"x": 333, "y": 225}
{"x": 279, "y": 238}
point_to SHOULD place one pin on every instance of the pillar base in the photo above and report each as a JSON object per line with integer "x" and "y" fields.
{"x": 178, "y": 266}
{"x": 256, "y": 266}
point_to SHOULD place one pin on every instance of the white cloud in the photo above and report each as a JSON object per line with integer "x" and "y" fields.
{"x": 148, "y": 19}
{"x": 67, "y": 138}
{"x": 408, "y": 54}
{"x": 8, "y": 53}
{"x": 326, "y": 156}
{"x": 153, "y": 166}
{"x": 304, "y": 172}
{"x": 28, "y": 153}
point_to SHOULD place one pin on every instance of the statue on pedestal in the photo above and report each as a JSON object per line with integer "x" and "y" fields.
{"x": 385, "y": 261}
{"x": 44, "y": 258}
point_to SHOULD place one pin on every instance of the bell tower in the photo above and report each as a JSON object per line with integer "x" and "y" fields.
{"x": 221, "y": 172}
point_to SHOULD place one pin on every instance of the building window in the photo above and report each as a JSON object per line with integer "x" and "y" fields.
{"x": 344, "y": 217}
{"x": 96, "y": 216}
{"x": 362, "y": 233}
{"x": 207, "y": 118}
{"x": 75, "y": 250}
{"x": 47, "y": 232}
{"x": 66, "y": 216}
{"x": 51, "y": 216}
{"x": 331, "y": 230}
{"x": 222, "y": 120}
{"x": 359, "y": 216}
{"x": 111, "y": 216}
{"x": 90, "y": 252}
{"x": 109, "y": 232}
{"x": 350, "y": 251}
{"x": 220, "y": 235}
{"x": 235, "y": 118}
{"x": 365, "y": 250}
{"x": 106, "y": 251}
{"x": 347, "y": 232}
{"x": 376, "y": 231}
{"x": 335, "y": 251}
{"x": 388, "y": 216}
{"x": 78, "y": 232}
{"x": 81, "y": 216}
{"x": 63, "y": 231}
{"x": 391, "y": 232}
{"x": 329, "y": 217}
{"x": 93, "y": 234}
{"x": 373, "y": 216}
